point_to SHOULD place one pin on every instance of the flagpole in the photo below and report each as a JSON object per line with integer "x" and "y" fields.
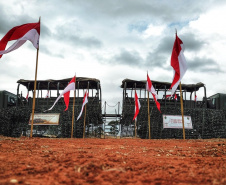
{"x": 84, "y": 123}
{"x": 33, "y": 105}
{"x": 135, "y": 127}
{"x": 72, "y": 123}
{"x": 149, "y": 122}
{"x": 182, "y": 110}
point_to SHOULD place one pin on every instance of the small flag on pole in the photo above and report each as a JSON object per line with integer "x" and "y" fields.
{"x": 175, "y": 96}
{"x": 137, "y": 106}
{"x": 85, "y": 100}
{"x": 21, "y": 34}
{"x": 27, "y": 96}
{"x": 151, "y": 89}
{"x": 66, "y": 93}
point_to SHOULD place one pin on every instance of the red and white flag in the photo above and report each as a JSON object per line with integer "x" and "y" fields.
{"x": 178, "y": 63}
{"x": 195, "y": 98}
{"x": 175, "y": 96}
{"x": 85, "y": 100}
{"x": 27, "y": 95}
{"x": 21, "y": 34}
{"x": 137, "y": 106}
{"x": 47, "y": 94}
{"x": 151, "y": 89}
{"x": 66, "y": 93}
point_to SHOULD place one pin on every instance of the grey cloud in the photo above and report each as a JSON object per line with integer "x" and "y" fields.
{"x": 204, "y": 65}
{"x": 154, "y": 60}
{"x": 76, "y": 39}
{"x": 127, "y": 58}
{"x": 191, "y": 43}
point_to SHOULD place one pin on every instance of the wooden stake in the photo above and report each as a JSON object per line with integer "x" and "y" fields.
{"x": 84, "y": 129}
{"x": 72, "y": 123}
{"x": 182, "y": 110}
{"x": 149, "y": 122}
{"x": 33, "y": 105}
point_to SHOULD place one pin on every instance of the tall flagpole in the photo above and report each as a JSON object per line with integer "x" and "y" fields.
{"x": 182, "y": 110}
{"x": 149, "y": 122}
{"x": 33, "y": 106}
{"x": 84, "y": 129}
{"x": 72, "y": 123}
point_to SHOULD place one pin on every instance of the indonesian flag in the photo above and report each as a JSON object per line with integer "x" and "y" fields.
{"x": 27, "y": 96}
{"x": 66, "y": 93}
{"x": 151, "y": 89}
{"x": 47, "y": 94}
{"x": 175, "y": 96}
{"x": 178, "y": 63}
{"x": 21, "y": 34}
{"x": 195, "y": 98}
{"x": 137, "y": 106}
{"x": 85, "y": 100}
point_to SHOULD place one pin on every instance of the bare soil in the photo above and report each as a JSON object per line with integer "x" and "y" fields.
{"x": 112, "y": 161}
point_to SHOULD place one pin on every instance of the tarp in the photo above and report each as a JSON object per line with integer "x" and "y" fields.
{"x": 159, "y": 86}
{"x": 81, "y": 83}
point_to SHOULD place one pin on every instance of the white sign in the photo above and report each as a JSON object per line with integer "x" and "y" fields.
{"x": 175, "y": 121}
{"x": 45, "y": 119}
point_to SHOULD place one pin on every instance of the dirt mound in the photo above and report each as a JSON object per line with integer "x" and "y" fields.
{"x": 112, "y": 161}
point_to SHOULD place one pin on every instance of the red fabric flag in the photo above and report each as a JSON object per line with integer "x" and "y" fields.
{"x": 137, "y": 106}
{"x": 195, "y": 98}
{"x": 27, "y": 96}
{"x": 22, "y": 33}
{"x": 151, "y": 89}
{"x": 178, "y": 63}
{"x": 85, "y": 100}
{"x": 66, "y": 93}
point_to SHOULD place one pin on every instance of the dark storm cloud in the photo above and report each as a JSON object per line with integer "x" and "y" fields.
{"x": 204, "y": 65}
{"x": 131, "y": 58}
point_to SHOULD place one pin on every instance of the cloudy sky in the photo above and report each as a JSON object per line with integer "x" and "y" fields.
{"x": 113, "y": 39}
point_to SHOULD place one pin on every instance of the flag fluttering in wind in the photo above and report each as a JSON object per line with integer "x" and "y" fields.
{"x": 21, "y": 34}
{"x": 137, "y": 106}
{"x": 178, "y": 63}
{"x": 85, "y": 100}
{"x": 47, "y": 94}
{"x": 66, "y": 93}
{"x": 151, "y": 89}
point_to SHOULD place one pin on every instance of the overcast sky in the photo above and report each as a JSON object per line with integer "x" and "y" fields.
{"x": 113, "y": 39}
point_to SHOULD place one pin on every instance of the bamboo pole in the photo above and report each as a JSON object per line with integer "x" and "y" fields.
{"x": 84, "y": 129}
{"x": 182, "y": 110}
{"x": 34, "y": 93}
{"x": 72, "y": 123}
{"x": 135, "y": 127}
{"x": 149, "y": 122}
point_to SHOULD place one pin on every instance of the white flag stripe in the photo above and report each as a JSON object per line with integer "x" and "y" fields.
{"x": 70, "y": 86}
{"x": 85, "y": 100}
{"x": 31, "y": 35}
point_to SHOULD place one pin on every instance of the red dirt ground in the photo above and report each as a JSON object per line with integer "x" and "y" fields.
{"x": 112, "y": 161}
